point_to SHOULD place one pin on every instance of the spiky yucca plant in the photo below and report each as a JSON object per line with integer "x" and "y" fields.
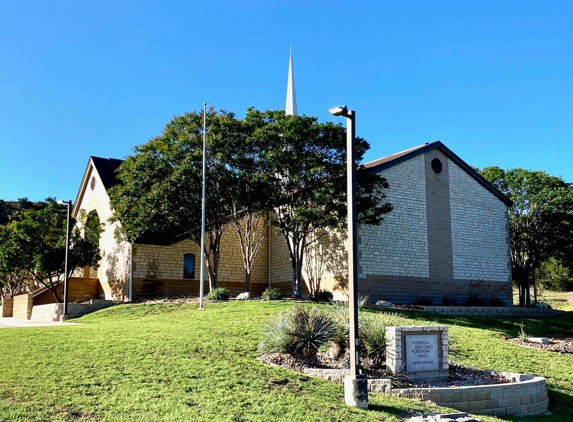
{"x": 300, "y": 330}
{"x": 372, "y": 333}
{"x": 341, "y": 316}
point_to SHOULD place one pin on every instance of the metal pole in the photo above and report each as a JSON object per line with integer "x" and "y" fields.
{"x": 202, "y": 276}
{"x": 66, "y": 269}
{"x": 130, "y": 292}
{"x": 352, "y": 247}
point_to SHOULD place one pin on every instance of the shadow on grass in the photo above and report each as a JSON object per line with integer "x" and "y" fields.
{"x": 560, "y": 326}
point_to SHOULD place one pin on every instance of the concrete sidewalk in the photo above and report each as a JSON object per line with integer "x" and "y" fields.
{"x": 19, "y": 322}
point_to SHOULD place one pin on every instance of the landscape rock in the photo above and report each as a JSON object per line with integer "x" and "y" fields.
{"x": 385, "y": 304}
{"x": 244, "y": 296}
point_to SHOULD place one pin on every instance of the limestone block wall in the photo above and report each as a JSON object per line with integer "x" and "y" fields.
{"x": 166, "y": 262}
{"x": 113, "y": 270}
{"x": 526, "y": 395}
{"x": 326, "y": 264}
{"x": 7, "y": 307}
{"x": 22, "y": 306}
{"x": 479, "y": 230}
{"x": 399, "y": 246}
{"x": 281, "y": 268}
{"x": 80, "y": 289}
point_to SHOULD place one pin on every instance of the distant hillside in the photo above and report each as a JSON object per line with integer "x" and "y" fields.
{"x": 8, "y": 208}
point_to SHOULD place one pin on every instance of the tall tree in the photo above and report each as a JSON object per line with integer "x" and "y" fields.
{"x": 246, "y": 191}
{"x": 540, "y": 220}
{"x": 160, "y": 189}
{"x": 304, "y": 165}
{"x": 38, "y": 237}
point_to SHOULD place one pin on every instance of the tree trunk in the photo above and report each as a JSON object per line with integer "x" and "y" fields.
{"x": 534, "y": 287}
{"x": 521, "y": 290}
{"x": 528, "y": 286}
{"x": 248, "y": 280}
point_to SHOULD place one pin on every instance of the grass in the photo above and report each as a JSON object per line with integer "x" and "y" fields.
{"x": 172, "y": 362}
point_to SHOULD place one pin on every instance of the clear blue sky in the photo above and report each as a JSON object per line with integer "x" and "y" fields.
{"x": 493, "y": 80}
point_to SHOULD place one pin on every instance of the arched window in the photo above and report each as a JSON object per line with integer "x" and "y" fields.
{"x": 189, "y": 266}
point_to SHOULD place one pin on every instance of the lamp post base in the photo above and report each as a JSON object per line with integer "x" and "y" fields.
{"x": 64, "y": 317}
{"x": 356, "y": 391}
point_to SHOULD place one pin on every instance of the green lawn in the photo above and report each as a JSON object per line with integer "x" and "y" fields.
{"x": 172, "y": 362}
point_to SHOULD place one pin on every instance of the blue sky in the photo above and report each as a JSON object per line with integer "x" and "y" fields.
{"x": 490, "y": 79}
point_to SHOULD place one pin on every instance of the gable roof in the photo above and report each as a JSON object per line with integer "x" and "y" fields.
{"x": 399, "y": 157}
{"x": 106, "y": 168}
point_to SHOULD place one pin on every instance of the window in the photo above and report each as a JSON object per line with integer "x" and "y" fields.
{"x": 189, "y": 266}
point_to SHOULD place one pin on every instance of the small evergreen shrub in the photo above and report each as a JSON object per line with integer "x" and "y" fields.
{"x": 474, "y": 301}
{"x": 300, "y": 330}
{"x": 448, "y": 301}
{"x": 372, "y": 332}
{"x": 220, "y": 293}
{"x": 272, "y": 294}
{"x": 321, "y": 296}
{"x": 423, "y": 301}
{"x": 495, "y": 302}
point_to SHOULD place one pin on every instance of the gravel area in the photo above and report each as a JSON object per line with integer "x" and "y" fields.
{"x": 555, "y": 344}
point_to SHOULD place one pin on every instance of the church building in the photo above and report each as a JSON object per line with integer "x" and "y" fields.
{"x": 446, "y": 240}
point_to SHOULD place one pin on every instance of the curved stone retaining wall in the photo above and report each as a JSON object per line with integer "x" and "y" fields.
{"x": 510, "y": 312}
{"x": 526, "y": 395}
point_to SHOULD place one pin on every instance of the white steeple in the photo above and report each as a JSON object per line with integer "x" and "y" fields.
{"x": 290, "y": 108}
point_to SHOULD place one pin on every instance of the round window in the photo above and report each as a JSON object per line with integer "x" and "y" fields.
{"x": 437, "y": 165}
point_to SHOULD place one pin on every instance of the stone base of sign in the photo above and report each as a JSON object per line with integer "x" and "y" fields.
{"x": 356, "y": 391}
{"x": 420, "y": 352}
{"x": 526, "y": 395}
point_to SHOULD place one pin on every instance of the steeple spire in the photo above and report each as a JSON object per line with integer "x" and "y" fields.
{"x": 290, "y": 108}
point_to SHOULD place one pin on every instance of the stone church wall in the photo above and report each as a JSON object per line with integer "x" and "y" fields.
{"x": 479, "y": 230}
{"x": 399, "y": 246}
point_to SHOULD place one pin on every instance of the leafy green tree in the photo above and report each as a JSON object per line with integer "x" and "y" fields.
{"x": 160, "y": 189}
{"x": 540, "y": 220}
{"x": 13, "y": 279}
{"x": 38, "y": 239}
{"x": 555, "y": 276}
{"x": 303, "y": 163}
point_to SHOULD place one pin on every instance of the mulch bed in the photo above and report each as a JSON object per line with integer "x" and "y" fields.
{"x": 555, "y": 345}
{"x": 459, "y": 375}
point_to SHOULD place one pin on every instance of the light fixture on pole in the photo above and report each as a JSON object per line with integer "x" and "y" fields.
{"x": 64, "y": 316}
{"x": 202, "y": 275}
{"x": 355, "y": 384}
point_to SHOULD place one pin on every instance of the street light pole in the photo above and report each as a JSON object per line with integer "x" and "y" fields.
{"x": 66, "y": 262}
{"x": 355, "y": 384}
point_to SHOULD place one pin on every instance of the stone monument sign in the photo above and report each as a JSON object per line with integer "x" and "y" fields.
{"x": 420, "y": 352}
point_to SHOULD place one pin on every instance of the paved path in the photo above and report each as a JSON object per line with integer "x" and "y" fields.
{"x": 19, "y": 322}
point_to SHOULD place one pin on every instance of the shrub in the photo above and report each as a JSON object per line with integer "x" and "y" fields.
{"x": 495, "y": 302}
{"x": 220, "y": 293}
{"x": 340, "y": 314}
{"x": 300, "y": 330}
{"x": 474, "y": 301}
{"x": 448, "y": 301}
{"x": 423, "y": 301}
{"x": 372, "y": 332}
{"x": 272, "y": 294}
{"x": 522, "y": 334}
{"x": 321, "y": 296}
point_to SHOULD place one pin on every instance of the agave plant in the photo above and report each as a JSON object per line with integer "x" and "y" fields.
{"x": 301, "y": 330}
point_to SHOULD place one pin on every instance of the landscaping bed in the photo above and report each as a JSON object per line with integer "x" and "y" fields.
{"x": 555, "y": 344}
